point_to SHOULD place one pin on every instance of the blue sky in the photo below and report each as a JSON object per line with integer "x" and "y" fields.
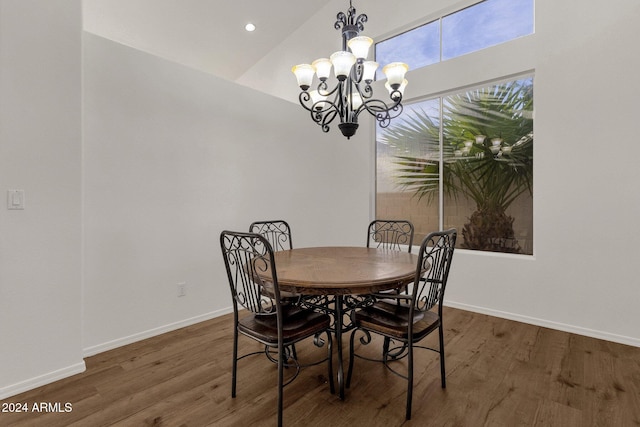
{"x": 476, "y": 27}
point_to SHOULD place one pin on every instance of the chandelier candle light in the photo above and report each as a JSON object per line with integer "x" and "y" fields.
{"x": 352, "y": 93}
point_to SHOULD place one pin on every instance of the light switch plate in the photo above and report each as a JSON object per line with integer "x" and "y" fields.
{"x": 15, "y": 199}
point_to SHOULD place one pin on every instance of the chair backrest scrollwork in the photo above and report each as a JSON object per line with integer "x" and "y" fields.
{"x": 248, "y": 259}
{"x": 277, "y": 232}
{"x": 436, "y": 253}
{"x": 390, "y": 234}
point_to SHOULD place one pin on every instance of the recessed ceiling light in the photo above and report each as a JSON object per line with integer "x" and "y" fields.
{"x": 250, "y": 27}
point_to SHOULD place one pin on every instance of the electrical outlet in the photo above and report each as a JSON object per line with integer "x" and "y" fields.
{"x": 182, "y": 289}
{"x": 15, "y": 199}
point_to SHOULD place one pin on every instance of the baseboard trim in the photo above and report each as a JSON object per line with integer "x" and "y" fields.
{"x": 41, "y": 380}
{"x": 621, "y": 339}
{"x": 110, "y": 345}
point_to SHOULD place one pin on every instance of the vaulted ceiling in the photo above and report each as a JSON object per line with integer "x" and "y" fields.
{"x": 209, "y": 35}
{"x": 205, "y": 34}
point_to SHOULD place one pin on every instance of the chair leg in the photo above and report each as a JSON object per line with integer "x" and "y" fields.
{"x": 442, "y": 372}
{"x": 410, "y": 380}
{"x": 280, "y": 383}
{"x": 234, "y": 369}
{"x": 385, "y": 349}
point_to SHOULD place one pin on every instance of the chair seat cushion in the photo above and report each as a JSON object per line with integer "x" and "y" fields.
{"x": 297, "y": 324}
{"x": 392, "y": 319}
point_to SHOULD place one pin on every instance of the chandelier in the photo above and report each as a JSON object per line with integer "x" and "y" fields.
{"x": 352, "y": 93}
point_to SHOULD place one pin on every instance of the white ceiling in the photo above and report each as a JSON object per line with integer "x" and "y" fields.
{"x": 205, "y": 34}
{"x": 209, "y": 35}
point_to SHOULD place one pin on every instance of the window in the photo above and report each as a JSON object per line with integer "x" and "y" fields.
{"x": 482, "y": 25}
{"x": 485, "y": 24}
{"x": 416, "y": 48}
{"x": 463, "y": 159}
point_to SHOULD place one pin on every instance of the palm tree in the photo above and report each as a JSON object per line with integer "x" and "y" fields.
{"x": 487, "y": 156}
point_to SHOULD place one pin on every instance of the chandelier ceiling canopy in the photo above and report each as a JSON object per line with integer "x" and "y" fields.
{"x": 351, "y": 92}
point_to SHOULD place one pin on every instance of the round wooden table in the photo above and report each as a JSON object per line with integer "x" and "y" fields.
{"x": 338, "y": 271}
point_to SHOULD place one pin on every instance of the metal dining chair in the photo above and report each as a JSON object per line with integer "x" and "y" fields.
{"x": 390, "y": 234}
{"x": 407, "y": 318}
{"x": 250, "y": 267}
{"x": 277, "y": 232}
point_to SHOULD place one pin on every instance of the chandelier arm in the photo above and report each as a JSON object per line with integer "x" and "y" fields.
{"x": 341, "y": 21}
{"x": 319, "y": 106}
{"x": 304, "y": 98}
{"x": 322, "y": 112}
{"x": 366, "y": 91}
{"x": 327, "y": 119}
{"x": 324, "y": 91}
{"x": 381, "y": 111}
{"x": 377, "y": 105}
{"x": 360, "y": 20}
{"x": 357, "y": 72}
{"x": 344, "y": 90}
{"x": 349, "y": 19}
{"x": 350, "y": 25}
{"x": 324, "y": 107}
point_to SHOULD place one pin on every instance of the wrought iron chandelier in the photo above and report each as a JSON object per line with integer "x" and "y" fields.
{"x": 352, "y": 94}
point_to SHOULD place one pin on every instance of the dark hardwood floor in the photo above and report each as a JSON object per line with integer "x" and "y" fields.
{"x": 499, "y": 373}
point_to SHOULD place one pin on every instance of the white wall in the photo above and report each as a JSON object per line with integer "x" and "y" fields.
{"x": 173, "y": 156}
{"x": 40, "y": 246}
{"x": 586, "y": 231}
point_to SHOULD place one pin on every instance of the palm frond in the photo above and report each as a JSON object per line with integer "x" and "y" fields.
{"x": 500, "y": 111}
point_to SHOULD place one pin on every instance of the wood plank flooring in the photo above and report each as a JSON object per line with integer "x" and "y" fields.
{"x": 499, "y": 373}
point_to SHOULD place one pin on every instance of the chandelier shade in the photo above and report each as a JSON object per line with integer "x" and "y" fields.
{"x": 304, "y": 73}
{"x": 360, "y": 46}
{"x": 395, "y": 73}
{"x": 369, "y": 72}
{"x": 351, "y": 92}
{"x": 322, "y": 68}
{"x": 342, "y": 62}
